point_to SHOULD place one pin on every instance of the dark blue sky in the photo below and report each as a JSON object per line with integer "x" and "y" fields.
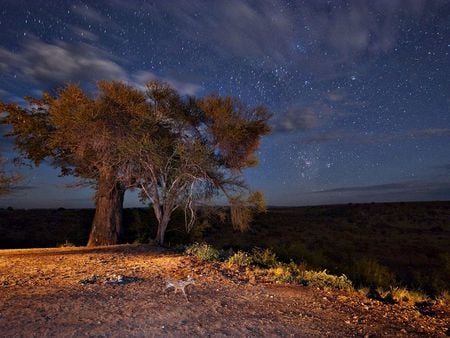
{"x": 360, "y": 90}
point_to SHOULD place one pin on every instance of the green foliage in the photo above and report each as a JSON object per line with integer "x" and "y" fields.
{"x": 203, "y": 251}
{"x": 368, "y": 272}
{"x": 287, "y": 273}
{"x": 264, "y": 258}
{"x": 323, "y": 279}
{"x": 240, "y": 259}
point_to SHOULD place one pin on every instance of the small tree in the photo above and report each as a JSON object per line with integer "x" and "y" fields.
{"x": 204, "y": 148}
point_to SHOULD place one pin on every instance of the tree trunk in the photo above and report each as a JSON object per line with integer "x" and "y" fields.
{"x": 107, "y": 224}
{"x": 162, "y": 226}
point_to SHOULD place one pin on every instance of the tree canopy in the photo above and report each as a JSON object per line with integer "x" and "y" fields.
{"x": 206, "y": 145}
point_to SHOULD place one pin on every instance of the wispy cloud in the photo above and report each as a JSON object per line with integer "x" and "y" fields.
{"x": 296, "y": 119}
{"x": 83, "y": 33}
{"x": 354, "y": 137}
{"x": 60, "y": 62}
{"x": 89, "y": 13}
{"x": 184, "y": 88}
{"x": 340, "y": 137}
{"x": 427, "y": 189}
{"x": 54, "y": 64}
{"x": 431, "y": 132}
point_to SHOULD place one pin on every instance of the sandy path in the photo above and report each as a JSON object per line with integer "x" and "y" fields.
{"x": 41, "y": 295}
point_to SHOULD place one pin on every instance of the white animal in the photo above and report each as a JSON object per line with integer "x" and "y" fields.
{"x": 179, "y": 285}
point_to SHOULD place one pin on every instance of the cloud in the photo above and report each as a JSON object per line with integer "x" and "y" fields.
{"x": 431, "y": 132}
{"x": 430, "y": 189}
{"x": 370, "y": 188}
{"x": 61, "y": 62}
{"x": 337, "y": 137}
{"x": 277, "y": 32}
{"x": 295, "y": 119}
{"x": 54, "y": 64}
{"x": 352, "y": 137}
{"x": 89, "y": 13}
{"x": 83, "y": 33}
{"x": 184, "y": 88}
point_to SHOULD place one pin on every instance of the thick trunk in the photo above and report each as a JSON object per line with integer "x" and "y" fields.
{"x": 107, "y": 224}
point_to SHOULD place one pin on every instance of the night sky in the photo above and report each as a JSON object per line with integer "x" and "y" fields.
{"x": 359, "y": 90}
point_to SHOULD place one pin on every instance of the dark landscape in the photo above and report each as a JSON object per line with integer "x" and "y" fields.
{"x": 384, "y": 244}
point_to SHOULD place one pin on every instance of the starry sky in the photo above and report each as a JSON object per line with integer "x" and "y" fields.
{"x": 359, "y": 90}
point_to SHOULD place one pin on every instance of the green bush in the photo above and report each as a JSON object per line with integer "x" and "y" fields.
{"x": 264, "y": 258}
{"x": 287, "y": 273}
{"x": 323, "y": 279}
{"x": 240, "y": 259}
{"x": 203, "y": 251}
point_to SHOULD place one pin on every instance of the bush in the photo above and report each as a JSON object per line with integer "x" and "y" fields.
{"x": 263, "y": 258}
{"x": 240, "y": 259}
{"x": 204, "y": 252}
{"x": 288, "y": 273}
{"x": 404, "y": 296}
{"x": 322, "y": 279}
{"x": 66, "y": 244}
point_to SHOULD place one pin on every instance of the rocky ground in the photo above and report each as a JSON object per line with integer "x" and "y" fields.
{"x": 119, "y": 292}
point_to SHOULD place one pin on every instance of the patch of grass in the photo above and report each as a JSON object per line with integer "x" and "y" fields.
{"x": 404, "y": 296}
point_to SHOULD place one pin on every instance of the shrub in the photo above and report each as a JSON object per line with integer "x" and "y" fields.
{"x": 66, "y": 244}
{"x": 444, "y": 298}
{"x": 263, "y": 258}
{"x": 287, "y": 272}
{"x": 204, "y": 252}
{"x": 322, "y": 279}
{"x": 405, "y": 296}
{"x": 240, "y": 259}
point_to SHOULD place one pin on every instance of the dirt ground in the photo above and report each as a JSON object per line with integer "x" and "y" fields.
{"x": 72, "y": 292}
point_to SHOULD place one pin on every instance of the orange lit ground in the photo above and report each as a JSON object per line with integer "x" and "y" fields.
{"x": 41, "y": 295}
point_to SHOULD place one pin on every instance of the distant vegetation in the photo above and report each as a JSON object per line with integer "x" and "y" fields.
{"x": 379, "y": 245}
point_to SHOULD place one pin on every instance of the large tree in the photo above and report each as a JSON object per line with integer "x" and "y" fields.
{"x": 80, "y": 135}
{"x": 177, "y": 150}
{"x": 206, "y": 145}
